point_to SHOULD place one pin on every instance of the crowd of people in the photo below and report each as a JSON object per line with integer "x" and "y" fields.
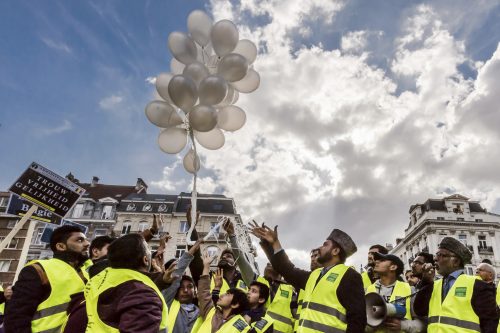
{"x": 120, "y": 285}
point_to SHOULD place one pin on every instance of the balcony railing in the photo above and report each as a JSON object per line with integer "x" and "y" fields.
{"x": 485, "y": 249}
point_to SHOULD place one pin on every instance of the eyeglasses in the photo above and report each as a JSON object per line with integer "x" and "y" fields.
{"x": 443, "y": 255}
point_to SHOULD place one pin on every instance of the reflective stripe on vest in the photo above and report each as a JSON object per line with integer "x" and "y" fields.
{"x": 300, "y": 300}
{"x": 280, "y": 311}
{"x": 225, "y": 286}
{"x": 401, "y": 290}
{"x": 366, "y": 280}
{"x": 173, "y": 311}
{"x": 234, "y": 325}
{"x": 321, "y": 309}
{"x": 111, "y": 278}
{"x": 454, "y": 314}
{"x": 64, "y": 281}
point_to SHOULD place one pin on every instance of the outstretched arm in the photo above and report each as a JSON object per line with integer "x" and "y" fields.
{"x": 246, "y": 270}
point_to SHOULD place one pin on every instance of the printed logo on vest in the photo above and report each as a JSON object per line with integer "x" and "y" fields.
{"x": 332, "y": 277}
{"x": 261, "y": 324}
{"x": 460, "y": 291}
{"x": 284, "y": 293}
{"x": 240, "y": 324}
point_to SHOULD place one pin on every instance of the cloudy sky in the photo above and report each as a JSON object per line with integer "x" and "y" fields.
{"x": 364, "y": 108}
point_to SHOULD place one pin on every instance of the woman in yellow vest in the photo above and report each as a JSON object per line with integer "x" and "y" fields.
{"x": 457, "y": 303}
{"x": 123, "y": 297}
{"x": 225, "y": 316}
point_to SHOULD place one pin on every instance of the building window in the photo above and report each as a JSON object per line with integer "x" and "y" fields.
{"x": 463, "y": 239}
{"x": 440, "y": 218}
{"x": 4, "y": 201}
{"x": 180, "y": 250}
{"x": 107, "y": 212}
{"x": 163, "y": 208}
{"x": 479, "y": 220}
{"x": 126, "y": 228}
{"x": 131, "y": 207}
{"x": 183, "y": 226}
{"x": 37, "y": 240}
{"x": 482, "y": 241}
{"x": 100, "y": 232}
{"x": 143, "y": 226}
{"x": 460, "y": 219}
{"x": 218, "y": 207}
{"x": 12, "y": 224}
{"x": 147, "y": 207}
{"x": 13, "y": 243}
{"x": 469, "y": 270}
{"x": 4, "y": 265}
{"x": 213, "y": 251}
{"x": 77, "y": 211}
{"x": 88, "y": 210}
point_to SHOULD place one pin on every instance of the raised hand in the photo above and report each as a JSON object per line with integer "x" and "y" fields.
{"x": 265, "y": 233}
{"x": 218, "y": 278}
{"x": 228, "y": 227}
{"x": 207, "y": 259}
{"x": 164, "y": 240}
{"x": 168, "y": 276}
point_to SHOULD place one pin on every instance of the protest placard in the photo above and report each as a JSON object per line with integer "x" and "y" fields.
{"x": 18, "y": 206}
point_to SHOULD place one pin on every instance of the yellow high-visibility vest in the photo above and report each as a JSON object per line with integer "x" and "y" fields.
{"x": 321, "y": 309}
{"x": 64, "y": 281}
{"x": 401, "y": 289}
{"x": 85, "y": 268}
{"x": 236, "y": 324}
{"x": 279, "y": 308}
{"x": 366, "y": 280}
{"x": 110, "y": 278}
{"x": 2, "y": 306}
{"x": 261, "y": 325}
{"x": 454, "y": 314}
{"x": 173, "y": 312}
{"x": 240, "y": 284}
{"x": 300, "y": 300}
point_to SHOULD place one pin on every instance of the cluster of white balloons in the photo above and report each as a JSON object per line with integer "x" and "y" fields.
{"x": 210, "y": 68}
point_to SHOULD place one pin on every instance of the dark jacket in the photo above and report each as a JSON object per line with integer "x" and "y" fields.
{"x": 483, "y": 303}
{"x": 350, "y": 291}
{"x": 28, "y": 293}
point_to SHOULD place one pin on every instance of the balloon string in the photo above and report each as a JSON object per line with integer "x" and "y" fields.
{"x": 194, "y": 194}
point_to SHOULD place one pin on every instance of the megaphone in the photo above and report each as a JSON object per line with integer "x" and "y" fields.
{"x": 377, "y": 310}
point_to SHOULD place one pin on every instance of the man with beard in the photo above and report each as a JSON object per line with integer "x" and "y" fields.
{"x": 42, "y": 292}
{"x": 231, "y": 276}
{"x": 417, "y": 267}
{"x": 334, "y": 299}
{"x": 369, "y": 276}
{"x": 457, "y": 302}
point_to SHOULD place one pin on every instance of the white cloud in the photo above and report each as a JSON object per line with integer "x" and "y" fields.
{"x": 65, "y": 126}
{"x": 330, "y": 141}
{"x": 59, "y": 46}
{"x": 111, "y": 103}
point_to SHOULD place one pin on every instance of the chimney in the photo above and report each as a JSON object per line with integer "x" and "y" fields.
{"x": 95, "y": 180}
{"x": 141, "y": 186}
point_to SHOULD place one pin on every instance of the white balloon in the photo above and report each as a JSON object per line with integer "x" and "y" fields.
{"x": 247, "y": 49}
{"x": 212, "y": 90}
{"x": 231, "y": 118}
{"x": 249, "y": 83}
{"x": 172, "y": 140}
{"x": 199, "y": 26}
{"x": 203, "y": 118}
{"x": 235, "y": 97}
{"x": 162, "y": 81}
{"x": 182, "y": 90}
{"x": 191, "y": 162}
{"x": 182, "y": 47}
{"x": 233, "y": 67}
{"x": 212, "y": 64}
{"x": 162, "y": 114}
{"x": 196, "y": 71}
{"x": 212, "y": 140}
{"x": 229, "y": 96}
{"x": 204, "y": 53}
{"x": 224, "y": 36}
{"x": 176, "y": 66}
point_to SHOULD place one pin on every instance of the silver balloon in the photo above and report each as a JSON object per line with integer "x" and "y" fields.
{"x": 199, "y": 26}
{"x": 229, "y": 96}
{"x": 212, "y": 90}
{"x": 233, "y": 67}
{"x": 172, "y": 140}
{"x": 162, "y": 114}
{"x": 196, "y": 71}
{"x": 183, "y": 92}
{"x": 236, "y": 96}
{"x": 191, "y": 162}
{"x": 231, "y": 118}
{"x": 203, "y": 118}
{"x": 249, "y": 83}
{"x": 204, "y": 53}
{"x": 212, "y": 140}
{"x": 247, "y": 49}
{"x": 224, "y": 36}
{"x": 176, "y": 66}
{"x": 162, "y": 81}
{"x": 182, "y": 47}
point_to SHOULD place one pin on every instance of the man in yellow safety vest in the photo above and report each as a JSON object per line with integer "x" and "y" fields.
{"x": 44, "y": 288}
{"x": 457, "y": 302}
